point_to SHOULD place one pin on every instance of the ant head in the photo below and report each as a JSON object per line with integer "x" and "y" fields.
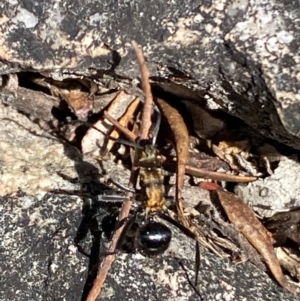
{"x": 143, "y": 143}
{"x": 153, "y": 238}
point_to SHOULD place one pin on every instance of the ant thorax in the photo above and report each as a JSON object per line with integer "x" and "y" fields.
{"x": 151, "y": 179}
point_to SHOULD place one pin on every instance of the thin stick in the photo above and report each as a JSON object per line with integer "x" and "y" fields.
{"x": 132, "y": 137}
{"x": 207, "y": 174}
{"x": 124, "y": 120}
{"x": 147, "y": 108}
{"x": 219, "y": 176}
{"x": 107, "y": 262}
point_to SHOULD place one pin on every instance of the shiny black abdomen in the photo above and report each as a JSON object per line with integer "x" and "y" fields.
{"x": 154, "y": 238}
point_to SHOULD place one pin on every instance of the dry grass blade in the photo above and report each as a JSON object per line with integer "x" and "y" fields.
{"x": 242, "y": 216}
{"x": 181, "y": 137}
{"x": 144, "y": 131}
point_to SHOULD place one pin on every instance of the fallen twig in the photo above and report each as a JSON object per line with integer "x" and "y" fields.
{"x": 124, "y": 120}
{"x": 218, "y": 176}
{"x": 97, "y": 135}
{"x": 148, "y": 101}
{"x": 132, "y": 137}
{"x": 108, "y": 260}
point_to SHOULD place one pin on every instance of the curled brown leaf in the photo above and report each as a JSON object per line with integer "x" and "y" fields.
{"x": 242, "y": 216}
{"x": 181, "y": 137}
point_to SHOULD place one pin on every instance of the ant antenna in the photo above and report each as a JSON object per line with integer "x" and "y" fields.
{"x": 157, "y": 125}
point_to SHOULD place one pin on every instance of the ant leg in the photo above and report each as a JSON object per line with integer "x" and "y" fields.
{"x": 184, "y": 229}
{"x": 132, "y": 144}
{"x": 189, "y": 233}
{"x": 129, "y": 189}
{"x": 112, "y": 198}
{"x": 129, "y": 223}
{"x": 197, "y": 262}
{"x": 190, "y": 282}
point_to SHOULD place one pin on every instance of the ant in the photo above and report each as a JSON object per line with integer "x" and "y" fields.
{"x": 151, "y": 237}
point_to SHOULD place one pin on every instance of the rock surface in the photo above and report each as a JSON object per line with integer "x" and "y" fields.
{"x": 238, "y": 56}
{"x": 40, "y": 261}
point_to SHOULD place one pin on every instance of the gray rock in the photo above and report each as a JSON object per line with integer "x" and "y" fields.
{"x": 276, "y": 193}
{"x": 241, "y": 57}
{"x": 40, "y": 261}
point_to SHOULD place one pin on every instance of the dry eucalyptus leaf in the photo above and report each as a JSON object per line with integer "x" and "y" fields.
{"x": 77, "y": 94}
{"x": 246, "y": 222}
{"x": 202, "y": 160}
{"x": 181, "y": 137}
{"x": 279, "y": 192}
{"x": 80, "y": 103}
{"x": 229, "y": 151}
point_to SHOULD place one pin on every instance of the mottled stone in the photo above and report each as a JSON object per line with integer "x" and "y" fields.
{"x": 242, "y": 55}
